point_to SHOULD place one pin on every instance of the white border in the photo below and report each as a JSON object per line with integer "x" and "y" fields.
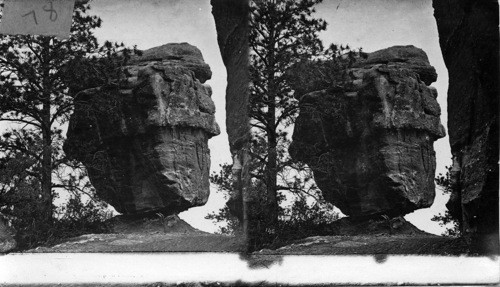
{"x": 47, "y": 268}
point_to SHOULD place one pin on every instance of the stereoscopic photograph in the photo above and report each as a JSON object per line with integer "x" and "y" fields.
{"x": 249, "y": 142}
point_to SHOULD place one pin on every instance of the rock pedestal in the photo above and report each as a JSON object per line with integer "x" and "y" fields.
{"x": 370, "y": 143}
{"x": 144, "y": 143}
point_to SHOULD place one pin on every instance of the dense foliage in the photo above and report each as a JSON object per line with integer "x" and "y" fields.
{"x": 446, "y": 219}
{"x": 282, "y": 33}
{"x": 298, "y": 216}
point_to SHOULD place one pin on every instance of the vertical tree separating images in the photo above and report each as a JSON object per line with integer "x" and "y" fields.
{"x": 287, "y": 60}
{"x": 282, "y": 33}
{"x": 39, "y": 78}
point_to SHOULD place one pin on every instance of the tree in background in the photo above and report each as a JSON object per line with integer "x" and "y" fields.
{"x": 282, "y": 33}
{"x": 224, "y": 182}
{"x": 39, "y": 78}
{"x": 298, "y": 220}
{"x": 446, "y": 219}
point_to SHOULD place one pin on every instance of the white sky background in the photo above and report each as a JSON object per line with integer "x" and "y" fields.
{"x": 378, "y": 24}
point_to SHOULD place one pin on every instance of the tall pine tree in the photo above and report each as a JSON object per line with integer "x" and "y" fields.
{"x": 39, "y": 78}
{"x": 282, "y": 33}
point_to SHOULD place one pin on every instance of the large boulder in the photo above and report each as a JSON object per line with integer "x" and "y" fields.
{"x": 468, "y": 35}
{"x": 144, "y": 143}
{"x": 370, "y": 143}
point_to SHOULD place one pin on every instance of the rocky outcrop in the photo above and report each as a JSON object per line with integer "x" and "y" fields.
{"x": 370, "y": 140}
{"x": 468, "y": 35}
{"x": 7, "y": 241}
{"x": 231, "y": 21}
{"x": 144, "y": 143}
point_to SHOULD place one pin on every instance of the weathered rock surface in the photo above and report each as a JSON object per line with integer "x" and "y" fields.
{"x": 370, "y": 144}
{"x": 144, "y": 143}
{"x": 7, "y": 241}
{"x": 468, "y": 35}
{"x": 379, "y": 245}
{"x": 231, "y": 21}
{"x": 414, "y": 59}
{"x": 178, "y": 53}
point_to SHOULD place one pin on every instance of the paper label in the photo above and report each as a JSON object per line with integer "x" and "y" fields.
{"x": 37, "y": 17}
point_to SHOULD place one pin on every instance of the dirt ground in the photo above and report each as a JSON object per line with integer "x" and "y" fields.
{"x": 150, "y": 242}
{"x": 318, "y": 245}
{"x": 372, "y": 245}
{"x": 148, "y": 235}
{"x": 172, "y": 234}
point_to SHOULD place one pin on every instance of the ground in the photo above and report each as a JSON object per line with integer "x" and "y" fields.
{"x": 147, "y": 242}
{"x": 373, "y": 245}
{"x": 171, "y": 234}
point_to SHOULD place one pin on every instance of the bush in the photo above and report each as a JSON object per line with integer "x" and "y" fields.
{"x": 75, "y": 218}
{"x": 446, "y": 183}
{"x": 298, "y": 220}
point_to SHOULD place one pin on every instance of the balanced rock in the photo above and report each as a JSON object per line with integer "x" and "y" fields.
{"x": 144, "y": 143}
{"x": 370, "y": 143}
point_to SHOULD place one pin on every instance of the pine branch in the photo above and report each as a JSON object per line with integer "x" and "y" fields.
{"x": 35, "y": 124}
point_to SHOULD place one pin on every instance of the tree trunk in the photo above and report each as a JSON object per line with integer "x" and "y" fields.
{"x": 271, "y": 165}
{"x": 46, "y": 196}
{"x": 271, "y": 168}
